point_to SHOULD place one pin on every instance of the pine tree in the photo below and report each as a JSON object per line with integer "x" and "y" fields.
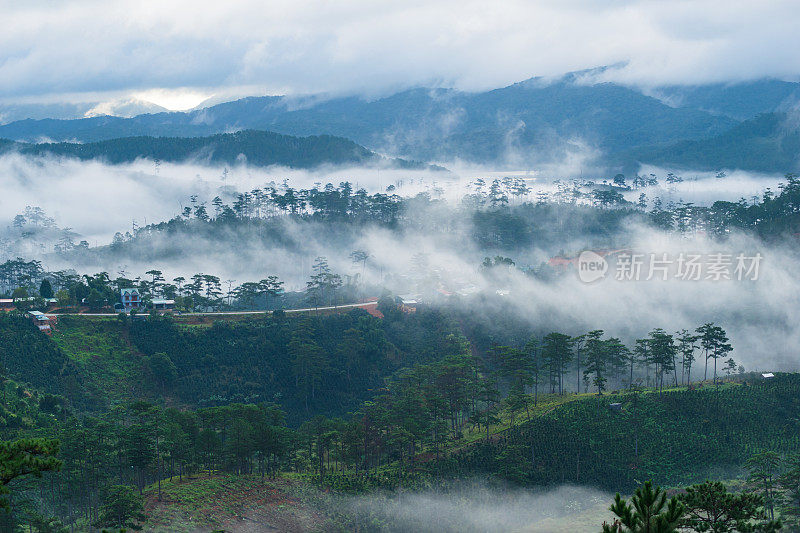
{"x": 45, "y": 289}
{"x": 24, "y": 457}
{"x": 596, "y": 360}
{"x": 790, "y": 480}
{"x": 687, "y": 344}
{"x": 764, "y": 470}
{"x": 557, "y": 353}
{"x": 662, "y": 354}
{"x": 649, "y": 511}
{"x": 710, "y": 507}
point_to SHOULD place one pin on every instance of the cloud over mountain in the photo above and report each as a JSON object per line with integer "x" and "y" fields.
{"x": 250, "y": 47}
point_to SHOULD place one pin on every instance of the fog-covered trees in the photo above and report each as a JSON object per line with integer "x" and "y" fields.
{"x": 556, "y": 355}
{"x": 662, "y": 351}
{"x": 714, "y": 342}
{"x": 321, "y": 288}
{"x": 599, "y": 360}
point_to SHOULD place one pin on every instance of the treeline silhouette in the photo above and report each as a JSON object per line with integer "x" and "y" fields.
{"x": 257, "y": 148}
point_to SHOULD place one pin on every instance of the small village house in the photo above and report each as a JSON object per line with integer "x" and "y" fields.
{"x": 41, "y": 320}
{"x": 163, "y": 305}
{"x": 130, "y": 300}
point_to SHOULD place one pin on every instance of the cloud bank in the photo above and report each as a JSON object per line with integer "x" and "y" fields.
{"x": 253, "y": 47}
{"x": 97, "y": 199}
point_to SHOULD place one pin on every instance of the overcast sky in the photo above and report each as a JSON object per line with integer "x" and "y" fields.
{"x": 176, "y": 53}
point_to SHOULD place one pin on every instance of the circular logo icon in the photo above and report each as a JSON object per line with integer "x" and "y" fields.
{"x": 591, "y": 266}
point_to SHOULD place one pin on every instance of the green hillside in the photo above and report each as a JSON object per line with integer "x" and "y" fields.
{"x": 172, "y": 413}
{"x": 674, "y": 438}
{"x": 327, "y": 364}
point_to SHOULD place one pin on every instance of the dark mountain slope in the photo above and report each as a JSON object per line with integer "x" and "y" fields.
{"x": 767, "y": 143}
{"x": 741, "y": 101}
{"x": 532, "y": 121}
{"x": 260, "y": 148}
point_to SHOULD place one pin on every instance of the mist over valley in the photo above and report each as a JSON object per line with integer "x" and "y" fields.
{"x": 395, "y": 267}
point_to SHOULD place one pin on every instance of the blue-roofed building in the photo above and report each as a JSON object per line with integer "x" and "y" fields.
{"x": 130, "y": 299}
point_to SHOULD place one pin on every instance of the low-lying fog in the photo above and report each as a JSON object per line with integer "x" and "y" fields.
{"x": 96, "y": 200}
{"x": 760, "y": 316}
{"x": 478, "y": 508}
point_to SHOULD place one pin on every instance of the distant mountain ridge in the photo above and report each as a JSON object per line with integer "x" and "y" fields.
{"x": 767, "y": 143}
{"x": 740, "y": 101}
{"x": 129, "y": 107}
{"x": 525, "y": 124}
{"x": 258, "y": 148}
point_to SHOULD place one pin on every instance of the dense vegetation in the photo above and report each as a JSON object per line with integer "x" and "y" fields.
{"x": 310, "y": 365}
{"x": 352, "y": 402}
{"x": 703, "y": 507}
{"x": 500, "y": 218}
{"x": 449, "y": 413}
{"x": 28, "y": 355}
{"x": 673, "y": 438}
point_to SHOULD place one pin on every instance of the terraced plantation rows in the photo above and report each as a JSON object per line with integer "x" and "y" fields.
{"x": 673, "y": 438}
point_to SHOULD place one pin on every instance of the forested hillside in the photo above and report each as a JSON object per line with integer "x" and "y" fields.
{"x": 399, "y": 267}
{"x": 673, "y": 438}
{"x": 257, "y": 148}
{"x": 325, "y": 364}
{"x": 395, "y": 402}
{"x": 409, "y": 395}
{"x": 27, "y": 354}
{"x": 311, "y": 365}
{"x": 494, "y": 220}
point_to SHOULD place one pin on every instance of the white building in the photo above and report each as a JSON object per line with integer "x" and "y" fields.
{"x": 163, "y": 305}
{"x": 41, "y": 320}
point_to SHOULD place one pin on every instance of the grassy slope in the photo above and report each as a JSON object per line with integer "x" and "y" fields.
{"x": 110, "y": 363}
{"x": 100, "y": 347}
{"x": 235, "y": 504}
